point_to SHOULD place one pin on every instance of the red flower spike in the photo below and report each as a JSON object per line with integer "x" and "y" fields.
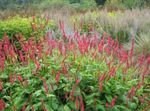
{"x": 57, "y": 78}
{"x": 26, "y": 83}
{"x": 20, "y": 78}
{"x": 77, "y": 103}
{"x": 32, "y": 108}
{"x": 100, "y": 86}
{"x": 131, "y": 93}
{"x": 11, "y": 78}
{"x": 33, "y": 18}
{"x": 38, "y": 66}
{"x": 77, "y": 81}
{"x": 2, "y": 105}
{"x": 34, "y": 26}
{"x": 1, "y": 85}
{"x": 90, "y": 27}
{"x": 113, "y": 102}
{"x": 41, "y": 26}
{"x": 148, "y": 60}
{"x": 139, "y": 85}
{"x": 112, "y": 71}
{"x": 45, "y": 87}
{"x": 107, "y": 105}
{"x": 2, "y": 63}
{"x": 141, "y": 59}
{"x": 43, "y": 106}
{"x": 81, "y": 103}
{"x": 24, "y": 107}
{"x": 21, "y": 56}
{"x": 73, "y": 89}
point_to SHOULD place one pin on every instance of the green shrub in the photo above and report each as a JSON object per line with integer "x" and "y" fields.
{"x": 125, "y": 4}
{"x": 24, "y": 26}
{"x": 15, "y": 25}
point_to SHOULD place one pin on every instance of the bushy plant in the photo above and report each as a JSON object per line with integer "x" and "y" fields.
{"x": 125, "y": 4}
{"x": 26, "y": 26}
{"x": 73, "y": 72}
{"x": 15, "y": 25}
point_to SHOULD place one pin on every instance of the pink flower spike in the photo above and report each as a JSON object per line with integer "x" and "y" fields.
{"x": 20, "y": 78}
{"x": 113, "y": 102}
{"x": 2, "y": 105}
{"x": 45, "y": 87}
{"x": 57, "y": 78}
{"x": 21, "y": 56}
{"x": 77, "y": 102}
{"x": 148, "y": 60}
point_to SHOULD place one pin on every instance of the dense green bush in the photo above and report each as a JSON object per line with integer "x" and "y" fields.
{"x": 126, "y": 4}
{"x": 26, "y": 26}
{"x": 15, "y": 25}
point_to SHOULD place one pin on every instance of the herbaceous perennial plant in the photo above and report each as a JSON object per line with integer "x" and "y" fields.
{"x": 72, "y": 73}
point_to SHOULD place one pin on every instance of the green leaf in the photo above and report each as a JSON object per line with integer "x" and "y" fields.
{"x": 66, "y": 108}
{"x": 100, "y": 108}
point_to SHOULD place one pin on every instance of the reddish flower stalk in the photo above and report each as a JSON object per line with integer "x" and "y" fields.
{"x": 139, "y": 85}
{"x": 141, "y": 99}
{"x": 131, "y": 93}
{"x": 100, "y": 86}
{"x": 141, "y": 59}
{"x": 34, "y": 26}
{"x": 113, "y": 101}
{"x": 1, "y": 85}
{"x": 112, "y": 71}
{"x": 73, "y": 89}
{"x": 101, "y": 78}
{"x": 57, "y": 78}
{"x": 11, "y": 78}
{"x": 21, "y": 56}
{"x": 41, "y": 26}
{"x": 45, "y": 87}
{"x": 32, "y": 108}
{"x": 43, "y": 106}
{"x": 33, "y": 18}
{"x": 2, "y": 105}
{"x": 64, "y": 69}
{"x": 20, "y": 79}
{"x": 90, "y": 27}
{"x": 24, "y": 107}
{"x": 26, "y": 82}
{"x": 77, "y": 103}
{"x": 124, "y": 56}
{"x": 12, "y": 53}
{"x": 38, "y": 66}
{"x": 2, "y": 63}
{"x": 81, "y": 103}
{"x": 107, "y": 105}
{"x": 148, "y": 60}
{"x": 146, "y": 69}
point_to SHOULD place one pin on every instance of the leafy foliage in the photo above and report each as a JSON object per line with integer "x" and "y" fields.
{"x": 15, "y": 25}
{"x": 73, "y": 72}
{"x": 26, "y": 26}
